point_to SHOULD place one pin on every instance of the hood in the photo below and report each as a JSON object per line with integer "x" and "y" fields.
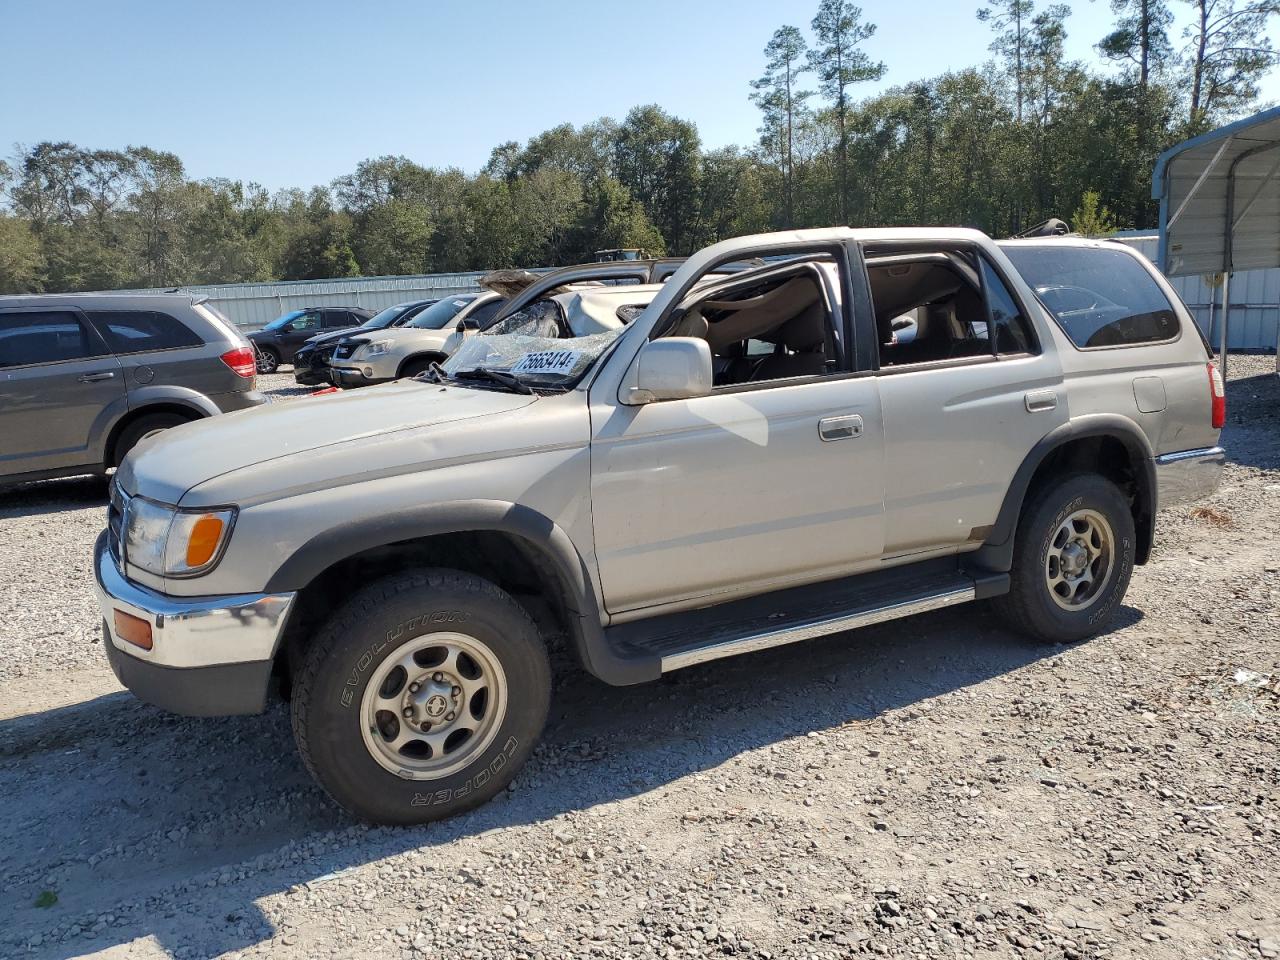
{"x": 334, "y": 335}
{"x": 168, "y": 465}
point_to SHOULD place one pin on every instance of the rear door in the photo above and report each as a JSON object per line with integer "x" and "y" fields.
{"x": 968, "y": 387}
{"x": 155, "y": 347}
{"x": 58, "y": 382}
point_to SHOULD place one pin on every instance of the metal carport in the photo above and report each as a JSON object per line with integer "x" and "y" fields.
{"x": 1219, "y": 199}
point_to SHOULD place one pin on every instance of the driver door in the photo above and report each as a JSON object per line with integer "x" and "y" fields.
{"x": 759, "y": 485}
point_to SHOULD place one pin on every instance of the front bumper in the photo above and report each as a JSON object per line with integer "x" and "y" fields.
{"x": 1188, "y": 475}
{"x": 210, "y": 656}
{"x": 353, "y": 377}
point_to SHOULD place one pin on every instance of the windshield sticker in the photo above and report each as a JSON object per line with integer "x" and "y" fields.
{"x": 548, "y": 361}
{"x": 459, "y": 303}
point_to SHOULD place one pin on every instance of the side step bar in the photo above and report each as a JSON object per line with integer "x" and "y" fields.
{"x": 815, "y": 627}
{"x": 677, "y": 640}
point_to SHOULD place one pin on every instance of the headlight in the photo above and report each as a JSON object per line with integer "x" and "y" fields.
{"x": 170, "y": 542}
{"x": 376, "y": 347}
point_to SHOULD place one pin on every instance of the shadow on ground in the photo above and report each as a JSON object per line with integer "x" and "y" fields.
{"x": 111, "y": 802}
{"x": 53, "y": 496}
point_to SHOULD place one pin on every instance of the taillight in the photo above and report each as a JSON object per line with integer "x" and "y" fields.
{"x": 1218, "y": 395}
{"x": 241, "y": 362}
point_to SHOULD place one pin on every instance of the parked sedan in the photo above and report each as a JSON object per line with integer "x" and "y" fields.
{"x": 279, "y": 340}
{"x": 311, "y": 362}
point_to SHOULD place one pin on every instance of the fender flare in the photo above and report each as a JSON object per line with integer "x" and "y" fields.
{"x": 996, "y": 553}
{"x": 135, "y": 403}
{"x": 546, "y": 541}
{"x": 142, "y": 397}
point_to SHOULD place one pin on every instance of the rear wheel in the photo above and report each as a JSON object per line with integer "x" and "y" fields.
{"x": 267, "y": 359}
{"x": 421, "y": 697}
{"x": 142, "y": 428}
{"x": 1072, "y": 559}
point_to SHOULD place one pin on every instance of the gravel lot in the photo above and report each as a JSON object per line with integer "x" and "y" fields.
{"x": 935, "y": 787}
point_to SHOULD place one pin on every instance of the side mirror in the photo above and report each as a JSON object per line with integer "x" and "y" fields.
{"x": 674, "y": 368}
{"x": 468, "y": 324}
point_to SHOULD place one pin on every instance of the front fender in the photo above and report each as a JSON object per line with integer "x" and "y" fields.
{"x": 547, "y": 540}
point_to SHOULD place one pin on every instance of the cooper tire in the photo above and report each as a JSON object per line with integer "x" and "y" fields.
{"x": 139, "y": 430}
{"x": 267, "y": 360}
{"x": 348, "y": 743}
{"x": 1060, "y": 590}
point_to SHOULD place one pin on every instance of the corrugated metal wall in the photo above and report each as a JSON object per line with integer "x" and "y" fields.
{"x": 253, "y": 305}
{"x": 1255, "y": 302}
{"x": 1255, "y": 296}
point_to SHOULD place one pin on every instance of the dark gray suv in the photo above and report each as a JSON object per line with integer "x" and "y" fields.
{"x": 84, "y": 377}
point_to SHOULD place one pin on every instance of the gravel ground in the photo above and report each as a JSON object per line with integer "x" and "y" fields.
{"x": 935, "y": 787}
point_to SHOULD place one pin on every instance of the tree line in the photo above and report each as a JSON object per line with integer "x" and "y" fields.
{"x": 1000, "y": 145}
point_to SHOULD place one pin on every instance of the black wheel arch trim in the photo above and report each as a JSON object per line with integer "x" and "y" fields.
{"x": 548, "y": 542}
{"x": 996, "y": 553}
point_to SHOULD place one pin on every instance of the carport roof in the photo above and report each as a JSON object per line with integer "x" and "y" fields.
{"x": 1219, "y": 199}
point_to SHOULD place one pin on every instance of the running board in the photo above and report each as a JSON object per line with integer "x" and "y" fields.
{"x": 685, "y": 639}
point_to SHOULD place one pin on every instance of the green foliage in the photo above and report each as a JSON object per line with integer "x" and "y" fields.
{"x": 46, "y": 899}
{"x": 1091, "y": 218}
{"x": 1026, "y": 136}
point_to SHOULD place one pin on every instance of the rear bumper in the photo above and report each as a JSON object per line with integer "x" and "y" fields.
{"x": 210, "y": 656}
{"x": 1188, "y": 475}
{"x": 238, "y": 400}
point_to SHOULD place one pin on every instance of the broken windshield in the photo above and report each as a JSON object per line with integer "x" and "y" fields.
{"x": 538, "y": 361}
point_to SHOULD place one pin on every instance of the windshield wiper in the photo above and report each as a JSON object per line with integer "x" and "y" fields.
{"x": 495, "y": 376}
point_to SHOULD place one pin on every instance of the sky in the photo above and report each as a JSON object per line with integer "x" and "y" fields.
{"x": 296, "y": 94}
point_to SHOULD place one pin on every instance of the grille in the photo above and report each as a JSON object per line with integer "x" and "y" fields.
{"x": 344, "y": 350}
{"x": 116, "y": 507}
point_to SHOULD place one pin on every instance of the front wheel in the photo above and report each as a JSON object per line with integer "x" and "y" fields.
{"x": 416, "y": 365}
{"x": 1072, "y": 559}
{"x": 422, "y": 697}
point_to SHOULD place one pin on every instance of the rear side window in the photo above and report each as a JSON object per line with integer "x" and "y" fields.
{"x": 1100, "y": 298}
{"x": 52, "y": 336}
{"x": 141, "y": 331}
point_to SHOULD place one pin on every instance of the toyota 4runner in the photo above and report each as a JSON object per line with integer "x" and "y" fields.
{"x": 871, "y": 424}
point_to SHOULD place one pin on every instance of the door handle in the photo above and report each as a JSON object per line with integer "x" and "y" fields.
{"x": 96, "y": 377}
{"x": 840, "y": 428}
{"x": 1038, "y": 400}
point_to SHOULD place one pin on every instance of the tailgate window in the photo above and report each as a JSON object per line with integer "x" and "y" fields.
{"x": 1100, "y": 298}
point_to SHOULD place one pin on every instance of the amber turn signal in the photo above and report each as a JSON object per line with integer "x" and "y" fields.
{"x": 205, "y": 537}
{"x": 133, "y": 629}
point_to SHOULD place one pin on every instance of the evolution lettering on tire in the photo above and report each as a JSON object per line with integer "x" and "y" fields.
{"x": 421, "y": 697}
{"x": 405, "y": 629}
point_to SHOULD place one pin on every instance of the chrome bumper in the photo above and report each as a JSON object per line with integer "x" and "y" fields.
{"x": 1188, "y": 474}
{"x": 190, "y": 631}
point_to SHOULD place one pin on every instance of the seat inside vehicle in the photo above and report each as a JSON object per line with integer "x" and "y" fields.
{"x": 928, "y": 307}
{"x": 770, "y": 328}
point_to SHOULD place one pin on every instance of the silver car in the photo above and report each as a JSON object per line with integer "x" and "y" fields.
{"x": 658, "y": 476}
{"x": 86, "y": 377}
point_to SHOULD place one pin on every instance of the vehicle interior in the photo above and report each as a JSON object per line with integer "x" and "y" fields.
{"x": 928, "y": 307}
{"x": 771, "y": 324}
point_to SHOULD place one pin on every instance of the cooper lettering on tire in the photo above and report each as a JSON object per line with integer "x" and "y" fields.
{"x": 436, "y": 715}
